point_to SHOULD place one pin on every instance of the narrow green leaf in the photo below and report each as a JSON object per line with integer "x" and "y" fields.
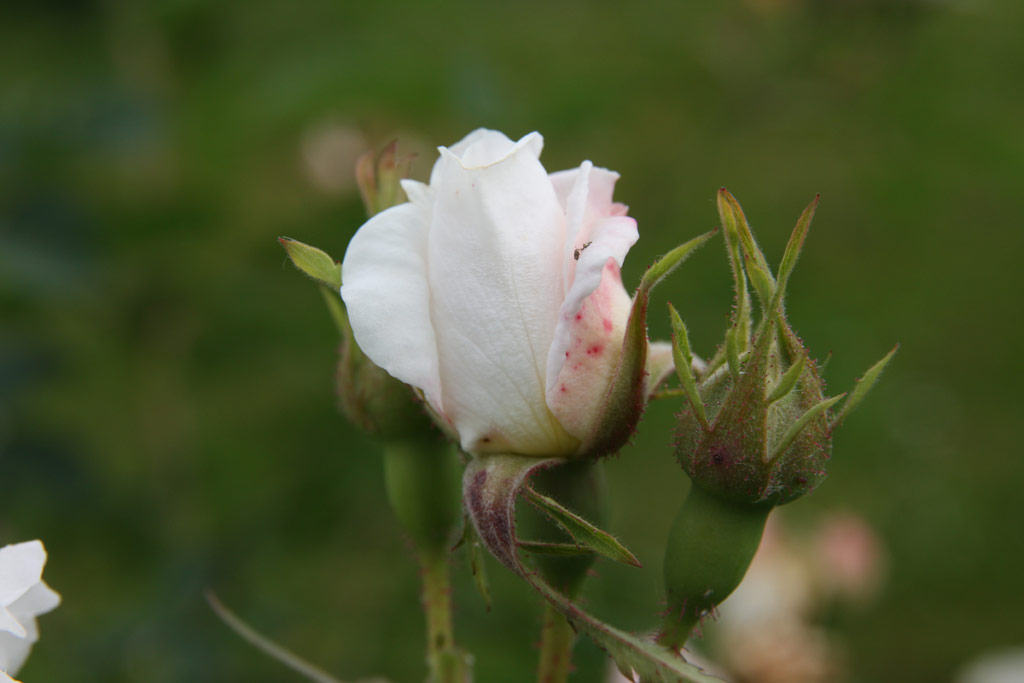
{"x": 684, "y": 365}
{"x": 788, "y": 380}
{"x": 313, "y": 262}
{"x": 581, "y": 531}
{"x": 555, "y": 549}
{"x": 863, "y": 386}
{"x": 670, "y": 261}
{"x": 798, "y": 426}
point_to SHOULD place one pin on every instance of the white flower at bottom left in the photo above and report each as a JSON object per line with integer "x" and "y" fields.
{"x": 23, "y": 596}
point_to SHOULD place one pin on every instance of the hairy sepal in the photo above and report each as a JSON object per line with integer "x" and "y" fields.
{"x": 491, "y": 485}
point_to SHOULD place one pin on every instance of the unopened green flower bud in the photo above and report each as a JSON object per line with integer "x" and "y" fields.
{"x": 371, "y": 398}
{"x": 767, "y": 433}
{"x": 755, "y": 432}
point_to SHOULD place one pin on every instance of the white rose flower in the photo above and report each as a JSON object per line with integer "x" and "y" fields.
{"x": 496, "y": 291}
{"x": 23, "y": 596}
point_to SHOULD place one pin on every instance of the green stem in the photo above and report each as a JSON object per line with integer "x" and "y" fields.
{"x": 581, "y": 487}
{"x": 437, "y": 606}
{"x": 556, "y": 641}
{"x": 423, "y": 483}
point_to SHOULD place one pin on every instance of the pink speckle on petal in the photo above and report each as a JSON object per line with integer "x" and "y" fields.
{"x": 607, "y": 325}
{"x": 594, "y": 350}
{"x": 579, "y": 316}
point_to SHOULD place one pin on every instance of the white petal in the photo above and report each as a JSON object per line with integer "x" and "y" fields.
{"x": 13, "y": 652}
{"x": 21, "y": 566}
{"x": 39, "y": 599}
{"x": 10, "y": 624}
{"x": 495, "y": 255}
{"x": 418, "y": 193}
{"x": 483, "y": 148}
{"x": 600, "y": 186}
{"x": 387, "y": 295}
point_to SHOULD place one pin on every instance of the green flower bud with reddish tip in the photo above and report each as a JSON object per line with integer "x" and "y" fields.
{"x": 379, "y": 176}
{"x": 755, "y": 431}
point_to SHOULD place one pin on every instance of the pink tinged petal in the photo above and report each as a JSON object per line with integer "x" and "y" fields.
{"x": 575, "y": 207}
{"x": 21, "y": 566}
{"x": 495, "y": 255}
{"x": 610, "y": 239}
{"x": 596, "y": 330}
{"x": 600, "y": 186}
{"x": 387, "y": 295}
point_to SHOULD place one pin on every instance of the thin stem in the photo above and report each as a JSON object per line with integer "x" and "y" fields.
{"x": 437, "y": 606}
{"x": 266, "y": 645}
{"x": 556, "y": 640}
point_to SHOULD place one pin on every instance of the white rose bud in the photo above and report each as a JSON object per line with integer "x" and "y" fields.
{"x": 496, "y": 291}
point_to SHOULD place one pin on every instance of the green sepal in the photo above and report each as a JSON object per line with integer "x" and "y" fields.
{"x": 661, "y": 268}
{"x": 863, "y": 386}
{"x": 788, "y": 380}
{"x": 583, "y": 533}
{"x": 732, "y": 352}
{"x": 554, "y": 549}
{"x": 490, "y": 487}
{"x": 313, "y": 262}
{"x": 735, "y": 223}
{"x": 474, "y": 553}
{"x": 801, "y": 423}
{"x": 684, "y": 364}
{"x": 792, "y": 253}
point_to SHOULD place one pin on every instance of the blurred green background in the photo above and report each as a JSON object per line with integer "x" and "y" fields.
{"x": 167, "y": 417}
